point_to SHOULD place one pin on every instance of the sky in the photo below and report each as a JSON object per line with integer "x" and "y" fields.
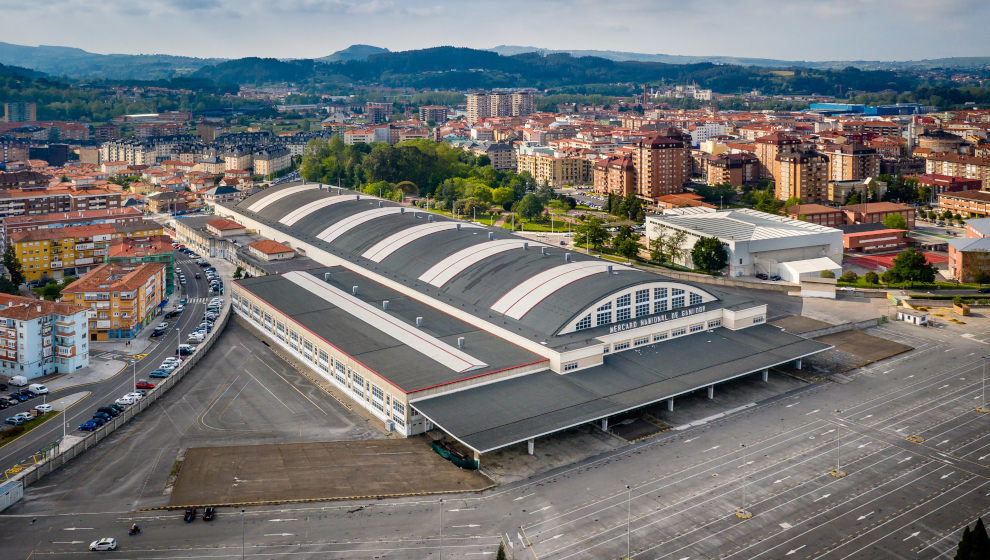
{"x": 781, "y": 29}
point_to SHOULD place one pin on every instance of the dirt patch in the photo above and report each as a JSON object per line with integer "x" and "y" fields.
{"x": 634, "y": 429}
{"x": 799, "y": 324}
{"x": 853, "y": 349}
{"x": 317, "y": 471}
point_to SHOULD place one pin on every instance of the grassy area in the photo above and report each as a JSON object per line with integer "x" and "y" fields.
{"x": 559, "y": 226}
{"x": 14, "y": 432}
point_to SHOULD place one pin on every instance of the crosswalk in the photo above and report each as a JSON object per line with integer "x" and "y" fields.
{"x": 198, "y": 300}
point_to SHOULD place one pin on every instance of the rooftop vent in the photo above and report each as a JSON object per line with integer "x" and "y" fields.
{"x": 402, "y": 210}
{"x": 357, "y": 197}
{"x": 326, "y": 277}
{"x": 567, "y": 257}
{"x": 491, "y": 235}
{"x": 385, "y": 305}
{"x": 380, "y": 204}
{"x": 460, "y": 342}
{"x": 419, "y": 322}
{"x": 354, "y": 290}
{"x": 609, "y": 269}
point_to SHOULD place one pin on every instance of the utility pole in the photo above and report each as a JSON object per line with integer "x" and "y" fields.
{"x": 742, "y": 512}
{"x": 983, "y": 390}
{"x": 242, "y": 534}
{"x": 441, "y": 528}
{"x": 628, "y": 518}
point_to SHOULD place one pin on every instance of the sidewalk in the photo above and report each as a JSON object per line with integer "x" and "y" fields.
{"x": 98, "y": 370}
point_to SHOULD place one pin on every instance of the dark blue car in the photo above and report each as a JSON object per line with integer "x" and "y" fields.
{"x": 98, "y": 420}
{"x": 88, "y": 426}
{"x": 158, "y": 373}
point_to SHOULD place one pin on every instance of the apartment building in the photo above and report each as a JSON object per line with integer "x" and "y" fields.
{"x": 141, "y": 250}
{"x": 377, "y": 112}
{"x": 478, "y": 107}
{"x": 523, "y": 103}
{"x": 269, "y": 161}
{"x": 37, "y": 201}
{"x": 877, "y": 212}
{"x": 662, "y": 163}
{"x": 973, "y": 204}
{"x": 121, "y": 298}
{"x": 149, "y": 151}
{"x": 39, "y": 338}
{"x": 615, "y": 175}
{"x": 15, "y": 224}
{"x": 20, "y": 111}
{"x": 769, "y": 147}
{"x": 731, "y": 169}
{"x": 802, "y": 174}
{"x": 850, "y": 162}
{"x": 839, "y": 192}
{"x": 55, "y": 253}
{"x": 435, "y": 113}
{"x": 555, "y": 170}
{"x": 957, "y": 165}
{"x": 875, "y": 128}
{"x": 499, "y": 103}
{"x": 943, "y": 183}
{"x": 969, "y": 256}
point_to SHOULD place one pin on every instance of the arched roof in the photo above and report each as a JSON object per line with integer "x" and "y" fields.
{"x": 487, "y": 271}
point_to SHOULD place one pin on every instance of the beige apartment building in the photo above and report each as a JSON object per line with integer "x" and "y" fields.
{"x": 956, "y": 165}
{"x": 662, "y": 163}
{"x": 802, "y": 174}
{"x": 555, "y": 171}
{"x": 767, "y": 149}
{"x": 851, "y": 162}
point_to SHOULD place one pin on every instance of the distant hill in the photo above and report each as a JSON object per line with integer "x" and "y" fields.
{"x": 18, "y": 71}
{"x": 353, "y": 52}
{"x": 953, "y": 62}
{"x": 77, "y": 63}
{"x": 253, "y": 70}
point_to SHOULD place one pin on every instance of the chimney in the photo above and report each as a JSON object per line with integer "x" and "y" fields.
{"x": 460, "y": 342}
{"x": 326, "y": 277}
{"x": 385, "y": 305}
{"x": 419, "y": 322}
{"x": 354, "y": 290}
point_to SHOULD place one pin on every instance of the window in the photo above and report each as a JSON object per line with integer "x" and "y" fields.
{"x": 677, "y": 302}
{"x": 308, "y": 349}
{"x": 584, "y": 323}
{"x": 758, "y": 319}
{"x": 399, "y": 413}
{"x": 622, "y": 314}
{"x": 695, "y": 299}
{"x": 324, "y": 361}
{"x": 698, "y": 327}
{"x": 641, "y": 341}
{"x": 280, "y": 330}
{"x": 676, "y": 292}
{"x": 621, "y": 346}
{"x": 623, "y": 301}
{"x": 571, "y": 366}
{"x": 642, "y": 309}
{"x": 357, "y": 384}
{"x": 378, "y": 398}
{"x": 678, "y": 332}
{"x": 661, "y": 306}
{"x": 622, "y": 311}
{"x": 642, "y": 296}
{"x": 340, "y": 372}
{"x": 604, "y": 314}
{"x": 714, "y": 323}
{"x": 659, "y": 337}
{"x": 294, "y": 338}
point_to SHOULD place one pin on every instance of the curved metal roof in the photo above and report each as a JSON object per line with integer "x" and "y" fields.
{"x": 536, "y": 289}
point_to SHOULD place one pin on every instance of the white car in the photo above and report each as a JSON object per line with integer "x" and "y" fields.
{"x": 25, "y": 415}
{"x": 44, "y": 408}
{"x": 38, "y": 389}
{"x": 180, "y": 308}
{"x": 125, "y": 401}
{"x": 134, "y": 396}
{"x": 168, "y": 366}
{"x": 106, "y": 543}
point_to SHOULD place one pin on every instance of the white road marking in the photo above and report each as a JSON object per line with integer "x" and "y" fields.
{"x": 914, "y": 534}
{"x": 279, "y": 534}
{"x": 822, "y": 497}
{"x": 461, "y": 509}
{"x": 792, "y": 404}
{"x": 812, "y": 412}
{"x": 479, "y": 553}
{"x": 947, "y": 475}
{"x": 68, "y": 542}
{"x": 943, "y": 442}
{"x": 779, "y": 480}
{"x": 864, "y": 516}
{"x": 555, "y": 537}
{"x": 78, "y": 529}
{"x": 544, "y": 508}
{"x": 711, "y": 449}
{"x": 470, "y": 526}
{"x": 785, "y": 525}
{"x": 904, "y": 459}
{"x": 523, "y": 497}
{"x": 901, "y": 429}
{"x": 867, "y": 416}
{"x": 278, "y": 520}
{"x": 793, "y": 550}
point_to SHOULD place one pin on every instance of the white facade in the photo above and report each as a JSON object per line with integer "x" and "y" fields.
{"x": 757, "y": 242}
{"x": 704, "y": 132}
{"x": 39, "y": 343}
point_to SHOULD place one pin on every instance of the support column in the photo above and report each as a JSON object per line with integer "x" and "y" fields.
{"x": 530, "y": 444}
{"x": 766, "y": 375}
{"x": 670, "y": 405}
{"x": 604, "y": 424}
{"x": 797, "y": 364}
{"x": 711, "y": 391}
{"x": 477, "y": 458}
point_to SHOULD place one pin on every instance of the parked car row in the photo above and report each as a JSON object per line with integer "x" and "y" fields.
{"x": 16, "y": 397}
{"x": 106, "y": 413}
{"x": 206, "y": 327}
{"x": 22, "y": 417}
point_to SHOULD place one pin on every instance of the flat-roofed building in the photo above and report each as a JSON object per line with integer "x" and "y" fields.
{"x": 803, "y": 175}
{"x": 877, "y": 212}
{"x": 817, "y": 214}
{"x": 39, "y": 338}
{"x": 122, "y": 298}
{"x": 972, "y": 204}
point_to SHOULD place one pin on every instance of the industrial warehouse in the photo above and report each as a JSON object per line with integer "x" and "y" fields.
{"x": 432, "y": 323}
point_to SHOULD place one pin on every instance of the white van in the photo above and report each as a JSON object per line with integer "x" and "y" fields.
{"x": 18, "y": 381}
{"x": 38, "y": 389}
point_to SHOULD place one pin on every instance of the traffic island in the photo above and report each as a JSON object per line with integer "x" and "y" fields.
{"x": 310, "y": 472}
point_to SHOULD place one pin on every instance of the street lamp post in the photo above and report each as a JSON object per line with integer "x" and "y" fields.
{"x": 441, "y": 528}
{"x": 983, "y": 389}
{"x": 242, "y": 534}
{"x": 837, "y": 472}
{"x": 742, "y": 512}
{"x": 628, "y": 518}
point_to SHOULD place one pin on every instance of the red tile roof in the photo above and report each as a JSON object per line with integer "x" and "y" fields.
{"x": 270, "y": 247}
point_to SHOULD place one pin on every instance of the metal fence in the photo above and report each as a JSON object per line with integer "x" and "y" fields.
{"x": 35, "y": 473}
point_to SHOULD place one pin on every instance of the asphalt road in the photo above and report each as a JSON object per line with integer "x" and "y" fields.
{"x": 107, "y": 391}
{"x": 898, "y": 499}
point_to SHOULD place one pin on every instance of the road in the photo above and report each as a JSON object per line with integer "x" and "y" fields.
{"x": 898, "y": 499}
{"x": 109, "y": 390}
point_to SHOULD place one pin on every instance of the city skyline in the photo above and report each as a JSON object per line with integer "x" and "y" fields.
{"x": 801, "y": 30}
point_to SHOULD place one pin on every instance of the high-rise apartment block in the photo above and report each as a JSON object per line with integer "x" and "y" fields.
{"x": 39, "y": 337}
{"x": 377, "y": 112}
{"x": 662, "y": 163}
{"x": 851, "y": 162}
{"x": 767, "y": 149}
{"x": 121, "y": 298}
{"x": 499, "y": 103}
{"x": 435, "y": 113}
{"x": 20, "y": 111}
{"x": 802, "y": 174}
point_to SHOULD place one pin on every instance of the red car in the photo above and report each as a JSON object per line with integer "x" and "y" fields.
{"x": 142, "y": 384}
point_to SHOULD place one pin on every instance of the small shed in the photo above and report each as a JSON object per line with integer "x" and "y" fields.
{"x": 795, "y": 271}
{"x": 913, "y": 316}
{"x": 11, "y": 492}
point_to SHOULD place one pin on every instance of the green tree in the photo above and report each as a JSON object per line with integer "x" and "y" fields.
{"x": 500, "y": 555}
{"x": 14, "y": 269}
{"x": 718, "y": 194}
{"x": 764, "y": 201}
{"x": 827, "y": 274}
{"x": 710, "y": 254}
{"x": 849, "y": 276}
{"x": 8, "y": 287}
{"x": 871, "y": 278}
{"x": 503, "y": 196}
{"x": 51, "y": 291}
{"x": 591, "y": 232}
{"x": 238, "y": 272}
{"x": 895, "y": 221}
{"x": 853, "y": 199}
{"x": 530, "y": 207}
{"x": 975, "y": 543}
{"x": 626, "y": 243}
{"x": 912, "y": 266}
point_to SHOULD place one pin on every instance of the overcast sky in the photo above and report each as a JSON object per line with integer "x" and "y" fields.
{"x": 783, "y": 29}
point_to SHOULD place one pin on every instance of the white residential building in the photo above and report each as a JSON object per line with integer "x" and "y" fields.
{"x": 39, "y": 338}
